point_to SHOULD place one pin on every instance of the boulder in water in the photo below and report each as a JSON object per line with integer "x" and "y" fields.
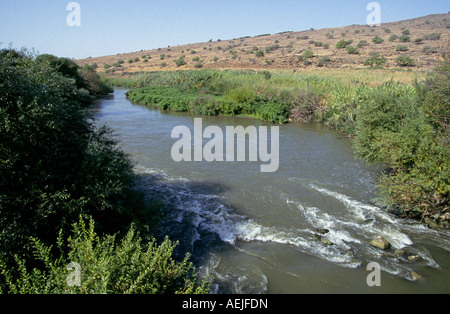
{"x": 381, "y": 243}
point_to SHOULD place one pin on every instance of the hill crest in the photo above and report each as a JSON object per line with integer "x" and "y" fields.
{"x": 423, "y": 39}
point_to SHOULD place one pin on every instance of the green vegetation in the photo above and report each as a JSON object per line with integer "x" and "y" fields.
{"x": 180, "y": 61}
{"x": 433, "y": 36}
{"x": 352, "y": 50}
{"x": 109, "y": 266}
{"x": 56, "y": 169}
{"x": 308, "y": 54}
{"x": 377, "y": 40}
{"x": 405, "y": 39}
{"x": 408, "y": 131}
{"x": 405, "y": 61}
{"x": 394, "y": 38}
{"x": 362, "y": 43}
{"x": 344, "y": 43}
{"x": 429, "y": 50}
{"x": 375, "y": 60}
{"x": 259, "y": 53}
{"x": 272, "y": 48}
{"x": 401, "y": 48}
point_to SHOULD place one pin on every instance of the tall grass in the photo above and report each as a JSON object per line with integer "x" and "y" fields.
{"x": 336, "y": 95}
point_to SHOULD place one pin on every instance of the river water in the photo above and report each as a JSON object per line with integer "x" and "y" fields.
{"x": 256, "y": 232}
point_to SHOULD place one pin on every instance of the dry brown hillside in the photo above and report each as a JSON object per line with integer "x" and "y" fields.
{"x": 425, "y": 40}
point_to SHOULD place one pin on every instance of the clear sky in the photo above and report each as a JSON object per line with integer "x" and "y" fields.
{"x": 118, "y": 26}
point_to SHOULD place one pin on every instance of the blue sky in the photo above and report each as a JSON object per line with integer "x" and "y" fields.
{"x": 117, "y": 26}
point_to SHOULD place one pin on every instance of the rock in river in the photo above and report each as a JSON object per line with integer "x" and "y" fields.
{"x": 380, "y": 243}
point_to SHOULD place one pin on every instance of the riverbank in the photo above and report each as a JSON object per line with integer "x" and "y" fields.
{"x": 400, "y": 125}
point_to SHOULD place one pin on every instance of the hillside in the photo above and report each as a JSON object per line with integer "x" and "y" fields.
{"x": 424, "y": 39}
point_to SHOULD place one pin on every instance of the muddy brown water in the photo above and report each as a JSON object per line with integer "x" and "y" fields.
{"x": 256, "y": 232}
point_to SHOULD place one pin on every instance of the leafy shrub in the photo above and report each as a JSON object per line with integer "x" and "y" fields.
{"x": 352, "y": 50}
{"x": 405, "y": 39}
{"x": 433, "y": 36}
{"x": 405, "y": 61}
{"x": 362, "y": 43}
{"x": 401, "y": 48}
{"x": 307, "y": 54}
{"x": 344, "y": 43}
{"x": 259, "y": 53}
{"x": 108, "y": 266}
{"x": 377, "y": 40}
{"x": 394, "y": 37}
{"x": 324, "y": 61}
{"x": 272, "y": 48}
{"x": 429, "y": 50}
{"x": 180, "y": 61}
{"x": 406, "y": 32}
{"x": 165, "y": 98}
{"x": 375, "y": 60}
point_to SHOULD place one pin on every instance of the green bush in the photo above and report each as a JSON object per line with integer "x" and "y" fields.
{"x": 344, "y": 43}
{"x": 272, "y": 48}
{"x": 394, "y": 37}
{"x": 401, "y": 48}
{"x": 429, "y": 50}
{"x": 405, "y": 61}
{"x": 405, "y": 39}
{"x": 377, "y": 40}
{"x": 307, "y": 54}
{"x": 324, "y": 61}
{"x": 362, "y": 44}
{"x": 165, "y": 98}
{"x": 375, "y": 60}
{"x": 180, "y": 61}
{"x": 433, "y": 36}
{"x": 107, "y": 266}
{"x": 259, "y": 53}
{"x": 352, "y": 50}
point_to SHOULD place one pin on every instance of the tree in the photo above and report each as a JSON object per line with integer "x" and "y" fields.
{"x": 65, "y": 66}
{"x": 54, "y": 163}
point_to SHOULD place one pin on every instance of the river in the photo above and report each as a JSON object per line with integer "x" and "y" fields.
{"x": 256, "y": 232}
